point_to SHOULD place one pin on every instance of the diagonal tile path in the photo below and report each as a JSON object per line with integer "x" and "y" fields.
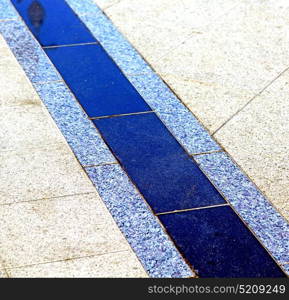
{"x": 173, "y": 167}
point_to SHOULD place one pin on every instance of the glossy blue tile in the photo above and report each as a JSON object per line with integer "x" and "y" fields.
{"x": 217, "y": 244}
{"x": 96, "y": 81}
{"x": 53, "y": 22}
{"x": 163, "y": 172}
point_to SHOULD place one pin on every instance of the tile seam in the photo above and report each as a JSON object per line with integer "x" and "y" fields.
{"x": 122, "y": 115}
{"x": 64, "y": 260}
{"x": 191, "y": 209}
{"x": 250, "y": 101}
{"x": 70, "y": 45}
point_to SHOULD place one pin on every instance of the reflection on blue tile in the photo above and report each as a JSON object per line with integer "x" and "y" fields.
{"x": 150, "y": 243}
{"x": 121, "y": 51}
{"x": 53, "y": 22}
{"x": 218, "y": 244}
{"x": 253, "y": 207}
{"x": 160, "y": 168}
{"x": 96, "y": 81}
{"x": 33, "y": 60}
{"x": 7, "y": 11}
{"x": 79, "y": 132}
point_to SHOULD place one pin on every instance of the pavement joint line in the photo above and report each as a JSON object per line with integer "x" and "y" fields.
{"x": 63, "y": 260}
{"x": 250, "y": 101}
{"x": 47, "y": 198}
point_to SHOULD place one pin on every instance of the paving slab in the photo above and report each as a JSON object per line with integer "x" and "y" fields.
{"x": 117, "y": 264}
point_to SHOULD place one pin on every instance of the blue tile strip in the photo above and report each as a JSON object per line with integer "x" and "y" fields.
{"x": 194, "y": 139}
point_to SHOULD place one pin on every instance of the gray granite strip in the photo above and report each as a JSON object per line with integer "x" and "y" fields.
{"x": 74, "y": 124}
{"x": 28, "y": 52}
{"x": 7, "y": 11}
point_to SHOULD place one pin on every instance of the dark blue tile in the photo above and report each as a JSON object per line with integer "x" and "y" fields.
{"x": 96, "y": 81}
{"x": 218, "y": 244}
{"x": 163, "y": 172}
{"x": 53, "y": 22}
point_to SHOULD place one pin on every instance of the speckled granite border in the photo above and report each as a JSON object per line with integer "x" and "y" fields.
{"x": 142, "y": 229}
{"x": 256, "y": 211}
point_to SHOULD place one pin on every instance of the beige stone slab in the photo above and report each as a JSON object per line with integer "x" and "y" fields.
{"x": 26, "y": 126}
{"x": 215, "y": 73}
{"x": 155, "y": 27}
{"x": 14, "y": 86}
{"x": 258, "y": 139}
{"x": 41, "y": 173}
{"x": 112, "y": 265}
{"x": 56, "y": 229}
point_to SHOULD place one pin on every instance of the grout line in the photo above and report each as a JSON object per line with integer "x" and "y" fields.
{"x": 71, "y": 45}
{"x": 191, "y": 209}
{"x": 192, "y": 33}
{"x": 64, "y": 260}
{"x": 48, "y": 198}
{"x": 207, "y": 152}
{"x": 121, "y": 115}
{"x": 253, "y": 98}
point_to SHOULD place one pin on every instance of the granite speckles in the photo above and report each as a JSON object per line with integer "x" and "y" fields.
{"x": 247, "y": 200}
{"x": 141, "y": 228}
{"x": 79, "y": 132}
{"x": 125, "y": 56}
{"x": 7, "y": 11}
{"x": 33, "y": 60}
